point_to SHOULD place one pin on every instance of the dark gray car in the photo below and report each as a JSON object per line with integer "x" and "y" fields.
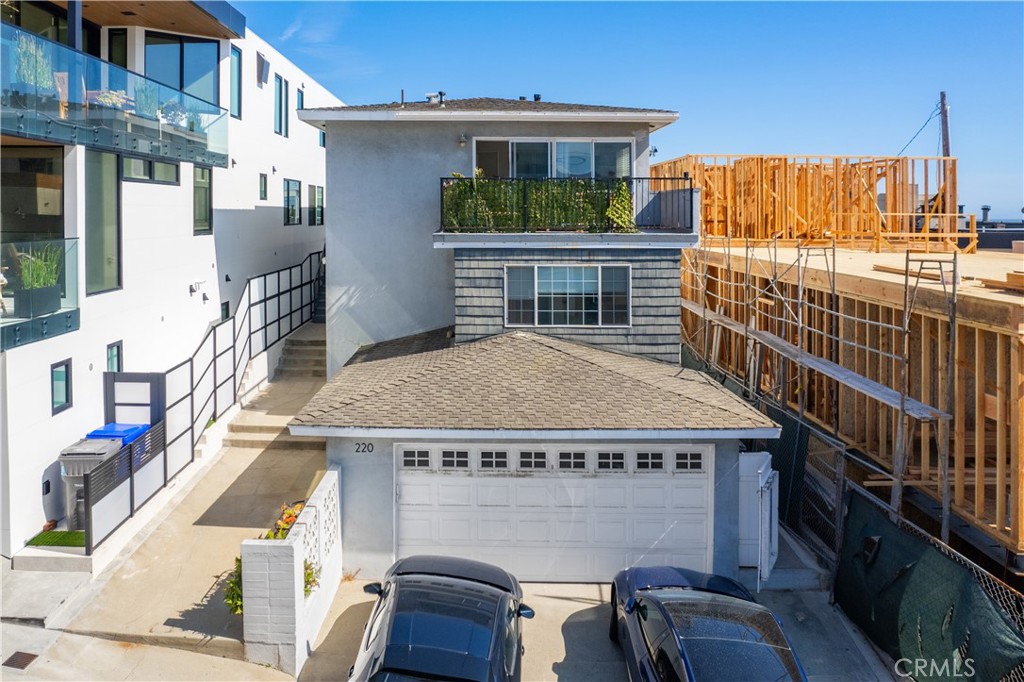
{"x": 443, "y": 618}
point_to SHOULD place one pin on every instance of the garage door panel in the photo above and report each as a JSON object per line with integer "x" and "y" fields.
{"x": 556, "y": 525}
{"x": 455, "y": 493}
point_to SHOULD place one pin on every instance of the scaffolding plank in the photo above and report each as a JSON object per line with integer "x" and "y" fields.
{"x": 847, "y": 377}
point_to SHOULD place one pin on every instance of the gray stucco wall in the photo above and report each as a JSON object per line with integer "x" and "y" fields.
{"x": 384, "y": 278}
{"x": 367, "y": 489}
{"x": 654, "y": 297}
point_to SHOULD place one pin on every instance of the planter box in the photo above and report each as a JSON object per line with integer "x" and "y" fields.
{"x": 31, "y": 303}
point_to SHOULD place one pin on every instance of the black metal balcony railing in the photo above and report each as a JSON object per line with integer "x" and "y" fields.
{"x": 49, "y": 91}
{"x": 570, "y": 204}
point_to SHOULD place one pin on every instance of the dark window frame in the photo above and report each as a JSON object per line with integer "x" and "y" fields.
{"x": 264, "y": 183}
{"x": 151, "y": 180}
{"x": 281, "y": 110}
{"x": 182, "y": 39}
{"x": 120, "y": 223}
{"x": 90, "y": 32}
{"x": 323, "y": 139}
{"x": 316, "y": 205}
{"x": 300, "y": 99}
{"x": 119, "y": 345}
{"x": 207, "y": 230}
{"x": 298, "y": 199}
{"x": 69, "y": 393}
{"x": 235, "y": 79}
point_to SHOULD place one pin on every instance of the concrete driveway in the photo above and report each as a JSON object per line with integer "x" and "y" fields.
{"x": 568, "y": 641}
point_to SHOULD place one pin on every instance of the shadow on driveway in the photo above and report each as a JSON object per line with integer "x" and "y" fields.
{"x": 336, "y": 654}
{"x": 589, "y": 654}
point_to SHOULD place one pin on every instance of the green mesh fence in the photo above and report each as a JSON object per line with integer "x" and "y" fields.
{"x": 919, "y": 600}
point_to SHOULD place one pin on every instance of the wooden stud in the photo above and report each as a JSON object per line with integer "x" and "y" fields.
{"x": 960, "y": 418}
{"x": 1002, "y": 348}
{"x": 1017, "y": 442}
{"x": 979, "y": 423}
{"x": 926, "y": 394}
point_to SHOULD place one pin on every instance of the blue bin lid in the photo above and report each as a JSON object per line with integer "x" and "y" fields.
{"x": 126, "y": 432}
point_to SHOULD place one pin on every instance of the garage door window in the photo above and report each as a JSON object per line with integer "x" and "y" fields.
{"x": 416, "y": 459}
{"x": 689, "y": 461}
{"x": 492, "y": 459}
{"x": 533, "y": 460}
{"x": 611, "y": 461}
{"x": 575, "y": 461}
{"x": 454, "y": 459}
{"x": 650, "y": 461}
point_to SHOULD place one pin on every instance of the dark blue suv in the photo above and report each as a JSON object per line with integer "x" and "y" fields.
{"x": 443, "y": 618}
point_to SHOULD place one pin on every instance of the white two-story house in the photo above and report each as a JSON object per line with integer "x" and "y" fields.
{"x": 151, "y": 160}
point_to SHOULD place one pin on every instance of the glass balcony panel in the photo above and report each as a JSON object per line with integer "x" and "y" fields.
{"x": 49, "y": 91}
{"x": 41, "y": 279}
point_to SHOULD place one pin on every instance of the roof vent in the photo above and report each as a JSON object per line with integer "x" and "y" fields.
{"x": 536, "y": 98}
{"x": 440, "y": 97}
{"x": 522, "y": 98}
{"x": 433, "y": 97}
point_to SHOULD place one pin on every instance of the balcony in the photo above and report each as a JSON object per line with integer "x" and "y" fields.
{"x": 51, "y": 92}
{"x": 40, "y": 297}
{"x": 618, "y": 212}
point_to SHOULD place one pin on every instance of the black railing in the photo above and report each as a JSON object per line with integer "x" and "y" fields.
{"x": 570, "y": 204}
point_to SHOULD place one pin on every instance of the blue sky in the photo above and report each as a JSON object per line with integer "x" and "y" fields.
{"x": 791, "y": 78}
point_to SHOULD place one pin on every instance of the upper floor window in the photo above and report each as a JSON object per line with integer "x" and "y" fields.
{"x": 50, "y": 21}
{"x": 567, "y": 295}
{"x": 236, "y": 82}
{"x": 280, "y": 105}
{"x": 60, "y": 386}
{"x": 316, "y": 205}
{"x": 572, "y": 158}
{"x": 202, "y": 209}
{"x": 300, "y": 99}
{"x": 184, "y": 63}
{"x": 263, "y": 186}
{"x": 292, "y": 202}
{"x": 323, "y": 139}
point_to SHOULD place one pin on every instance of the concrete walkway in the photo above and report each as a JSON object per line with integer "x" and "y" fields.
{"x": 170, "y": 590}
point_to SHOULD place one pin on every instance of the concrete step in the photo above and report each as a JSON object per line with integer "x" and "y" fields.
{"x": 258, "y": 428}
{"x": 290, "y": 361}
{"x": 270, "y": 441}
{"x": 305, "y": 352}
{"x": 292, "y": 342}
{"x": 284, "y": 372}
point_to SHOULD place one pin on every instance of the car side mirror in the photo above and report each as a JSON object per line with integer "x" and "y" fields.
{"x": 630, "y": 606}
{"x": 525, "y": 611}
{"x": 373, "y": 588}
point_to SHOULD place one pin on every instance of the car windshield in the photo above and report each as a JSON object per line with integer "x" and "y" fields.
{"x": 445, "y": 616}
{"x": 729, "y": 639}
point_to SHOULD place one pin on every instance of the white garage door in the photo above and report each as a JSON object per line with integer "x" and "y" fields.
{"x": 557, "y": 512}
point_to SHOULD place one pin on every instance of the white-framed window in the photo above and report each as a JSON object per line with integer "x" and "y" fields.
{"x": 494, "y": 460}
{"x": 567, "y": 295}
{"x": 611, "y": 461}
{"x": 601, "y": 158}
{"x": 455, "y": 459}
{"x": 533, "y": 459}
{"x": 415, "y": 459}
{"x": 572, "y": 461}
{"x": 689, "y": 461}
{"x": 650, "y": 461}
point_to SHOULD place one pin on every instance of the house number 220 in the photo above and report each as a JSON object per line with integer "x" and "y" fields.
{"x": 364, "y": 447}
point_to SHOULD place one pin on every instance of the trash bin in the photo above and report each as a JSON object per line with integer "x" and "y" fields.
{"x": 75, "y": 462}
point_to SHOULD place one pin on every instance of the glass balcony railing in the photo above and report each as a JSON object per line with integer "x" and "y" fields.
{"x": 39, "y": 290}
{"x": 51, "y": 92}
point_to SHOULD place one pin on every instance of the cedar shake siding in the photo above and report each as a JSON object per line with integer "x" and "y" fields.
{"x": 654, "y": 297}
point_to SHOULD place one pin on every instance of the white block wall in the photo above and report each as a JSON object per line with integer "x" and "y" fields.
{"x": 281, "y": 624}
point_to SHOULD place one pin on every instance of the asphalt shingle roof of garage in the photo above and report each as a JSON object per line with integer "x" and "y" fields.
{"x": 523, "y": 381}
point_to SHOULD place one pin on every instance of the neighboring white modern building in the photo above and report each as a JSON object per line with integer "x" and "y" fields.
{"x": 152, "y": 158}
{"x": 503, "y": 345}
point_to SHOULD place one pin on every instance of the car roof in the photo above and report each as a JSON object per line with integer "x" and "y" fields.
{"x": 442, "y": 626}
{"x": 455, "y": 567}
{"x": 654, "y": 577}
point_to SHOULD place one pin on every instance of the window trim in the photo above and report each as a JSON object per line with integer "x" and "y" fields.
{"x": 300, "y": 99}
{"x": 284, "y": 202}
{"x": 208, "y": 230}
{"x": 316, "y": 193}
{"x": 120, "y": 355}
{"x": 323, "y": 139}
{"x": 241, "y": 69}
{"x": 57, "y": 409}
{"x": 281, "y": 105}
{"x": 152, "y": 171}
{"x": 263, "y": 187}
{"x": 119, "y": 183}
{"x": 182, "y": 39}
{"x": 551, "y": 141}
{"x": 536, "y": 308}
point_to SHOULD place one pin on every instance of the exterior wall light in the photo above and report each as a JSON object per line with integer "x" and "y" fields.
{"x": 462, "y": 140}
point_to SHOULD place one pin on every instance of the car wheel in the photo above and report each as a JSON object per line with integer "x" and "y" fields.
{"x": 613, "y": 626}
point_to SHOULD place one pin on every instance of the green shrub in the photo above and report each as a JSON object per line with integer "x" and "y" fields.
{"x": 620, "y": 209}
{"x": 233, "y": 589}
{"x": 41, "y": 267}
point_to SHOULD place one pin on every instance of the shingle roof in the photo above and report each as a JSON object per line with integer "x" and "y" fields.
{"x": 523, "y": 381}
{"x": 494, "y": 104}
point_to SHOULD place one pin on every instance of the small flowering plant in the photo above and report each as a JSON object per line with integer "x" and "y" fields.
{"x": 289, "y": 514}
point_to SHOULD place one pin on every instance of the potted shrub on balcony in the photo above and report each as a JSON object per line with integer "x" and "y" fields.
{"x": 33, "y": 75}
{"x": 145, "y": 120}
{"x": 40, "y": 292}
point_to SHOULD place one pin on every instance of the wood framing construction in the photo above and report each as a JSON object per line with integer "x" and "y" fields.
{"x": 870, "y": 202}
{"x": 852, "y": 346}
